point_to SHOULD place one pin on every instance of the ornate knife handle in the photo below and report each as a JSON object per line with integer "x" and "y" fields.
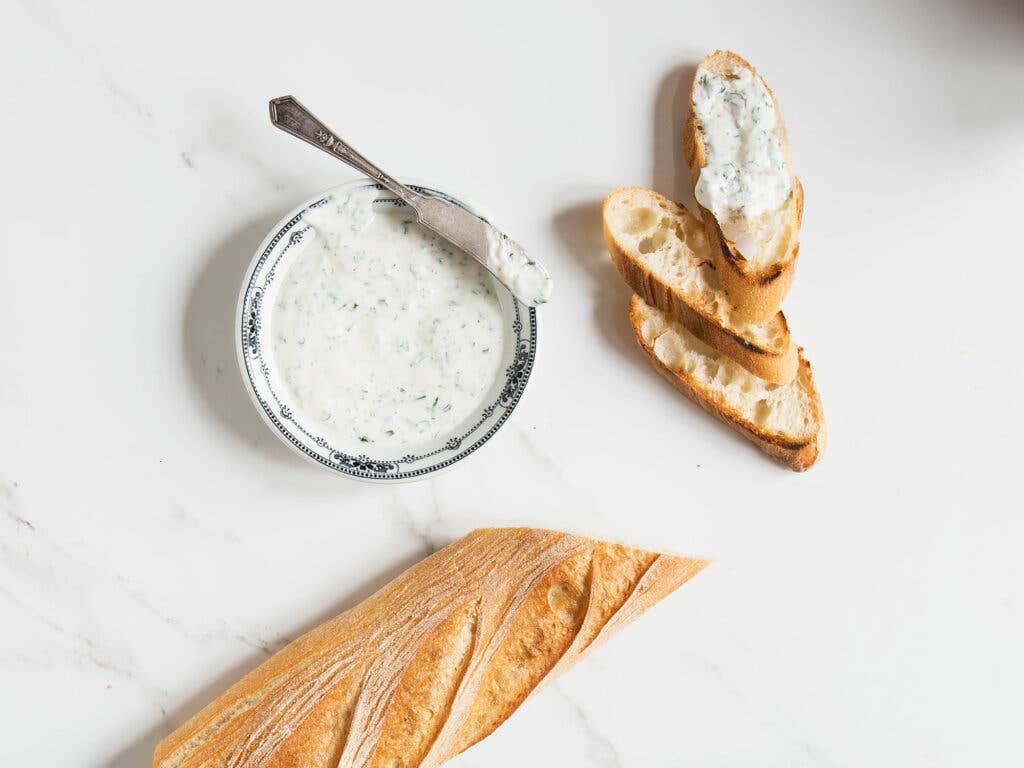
{"x": 291, "y": 117}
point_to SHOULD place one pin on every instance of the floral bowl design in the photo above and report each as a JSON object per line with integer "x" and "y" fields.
{"x": 415, "y": 462}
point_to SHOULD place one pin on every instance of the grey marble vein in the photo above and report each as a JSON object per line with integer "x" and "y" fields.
{"x": 600, "y": 748}
{"x": 93, "y": 652}
{"x": 46, "y": 551}
{"x": 120, "y": 97}
{"x": 421, "y": 528}
{"x": 8, "y": 505}
{"x": 550, "y": 466}
{"x": 181, "y": 515}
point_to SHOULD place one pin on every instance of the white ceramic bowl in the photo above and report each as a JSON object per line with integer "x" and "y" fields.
{"x": 412, "y": 462}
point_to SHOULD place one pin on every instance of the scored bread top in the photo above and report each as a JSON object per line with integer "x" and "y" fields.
{"x": 784, "y": 420}
{"x": 662, "y": 252}
{"x": 434, "y": 661}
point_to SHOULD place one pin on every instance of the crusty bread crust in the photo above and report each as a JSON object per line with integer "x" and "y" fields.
{"x": 757, "y": 293}
{"x": 778, "y": 365}
{"x": 434, "y": 661}
{"x": 798, "y": 455}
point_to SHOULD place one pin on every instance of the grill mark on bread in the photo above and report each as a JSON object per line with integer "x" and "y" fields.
{"x": 764, "y": 277}
{"x": 756, "y": 293}
{"x": 670, "y": 275}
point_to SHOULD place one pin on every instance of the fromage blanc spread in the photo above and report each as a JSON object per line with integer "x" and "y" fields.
{"x": 746, "y": 180}
{"x": 383, "y": 332}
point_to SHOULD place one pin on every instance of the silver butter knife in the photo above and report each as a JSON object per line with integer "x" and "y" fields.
{"x": 503, "y": 256}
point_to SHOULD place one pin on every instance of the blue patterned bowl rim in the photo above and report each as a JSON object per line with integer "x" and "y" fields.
{"x": 440, "y": 455}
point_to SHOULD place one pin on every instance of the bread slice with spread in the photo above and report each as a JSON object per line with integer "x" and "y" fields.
{"x": 785, "y": 421}
{"x": 661, "y": 250}
{"x": 738, "y": 154}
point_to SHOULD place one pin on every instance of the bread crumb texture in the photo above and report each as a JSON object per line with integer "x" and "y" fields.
{"x": 784, "y": 411}
{"x": 672, "y": 243}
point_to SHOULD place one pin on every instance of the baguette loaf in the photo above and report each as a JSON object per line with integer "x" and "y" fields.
{"x": 757, "y": 285}
{"x": 434, "y": 661}
{"x": 786, "y": 421}
{"x": 661, "y": 251}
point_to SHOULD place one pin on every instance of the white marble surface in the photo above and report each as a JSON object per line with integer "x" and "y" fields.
{"x": 156, "y": 540}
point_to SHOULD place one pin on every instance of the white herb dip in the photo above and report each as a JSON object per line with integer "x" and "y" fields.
{"x": 382, "y": 331}
{"x": 526, "y": 278}
{"x": 746, "y": 180}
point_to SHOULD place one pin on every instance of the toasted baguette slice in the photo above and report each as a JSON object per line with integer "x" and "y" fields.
{"x": 662, "y": 253}
{"x": 786, "y": 421}
{"x": 434, "y": 661}
{"x": 756, "y": 288}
